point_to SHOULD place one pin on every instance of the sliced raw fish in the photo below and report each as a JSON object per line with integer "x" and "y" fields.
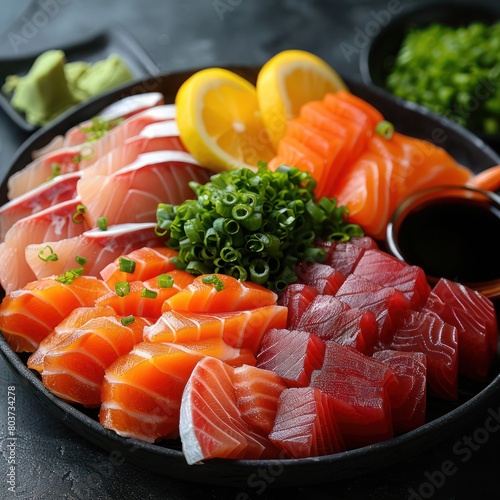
{"x": 306, "y": 425}
{"x": 386, "y": 270}
{"x": 296, "y": 297}
{"x": 410, "y": 368}
{"x": 74, "y": 368}
{"x": 474, "y": 317}
{"x": 60, "y": 188}
{"x": 142, "y": 390}
{"x": 201, "y": 296}
{"x": 98, "y": 247}
{"x": 28, "y": 315}
{"x": 257, "y": 392}
{"x": 237, "y": 328}
{"x": 147, "y": 262}
{"x": 211, "y": 425}
{"x": 132, "y": 194}
{"x": 322, "y": 277}
{"x": 292, "y": 354}
{"x": 427, "y": 333}
{"x": 51, "y": 224}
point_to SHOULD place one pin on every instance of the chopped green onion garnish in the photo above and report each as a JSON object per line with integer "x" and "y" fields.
{"x": 47, "y": 254}
{"x": 126, "y": 265}
{"x": 149, "y": 294}
{"x": 127, "y": 320}
{"x": 68, "y": 276}
{"x": 78, "y": 215}
{"x": 55, "y": 170}
{"x": 215, "y": 281}
{"x": 385, "y": 129}
{"x": 165, "y": 281}
{"x": 102, "y": 223}
{"x": 76, "y": 159}
{"x": 122, "y": 288}
{"x": 80, "y": 260}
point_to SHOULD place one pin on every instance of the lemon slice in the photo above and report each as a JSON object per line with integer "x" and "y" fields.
{"x": 219, "y": 121}
{"x": 287, "y": 81}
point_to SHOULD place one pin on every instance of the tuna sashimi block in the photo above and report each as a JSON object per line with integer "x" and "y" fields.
{"x": 211, "y": 425}
{"x": 296, "y": 297}
{"x": 475, "y": 319}
{"x": 234, "y": 295}
{"x": 426, "y": 332}
{"x": 142, "y": 390}
{"x": 29, "y": 315}
{"x": 322, "y": 277}
{"x": 74, "y": 368}
{"x": 410, "y": 368}
{"x": 292, "y": 354}
{"x": 388, "y": 305}
{"x": 386, "y": 270}
{"x": 257, "y": 392}
{"x": 305, "y": 424}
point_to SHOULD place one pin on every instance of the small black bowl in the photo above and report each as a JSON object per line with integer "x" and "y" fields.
{"x": 378, "y": 58}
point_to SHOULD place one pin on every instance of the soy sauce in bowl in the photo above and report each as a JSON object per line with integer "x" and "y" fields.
{"x": 451, "y": 232}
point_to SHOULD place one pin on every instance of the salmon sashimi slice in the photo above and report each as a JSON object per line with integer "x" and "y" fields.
{"x": 50, "y": 224}
{"x": 75, "y": 319}
{"x": 211, "y": 425}
{"x": 305, "y": 424}
{"x": 60, "y": 188}
{"x": 28, "y": 315}
{"x": 238, "y": 328}
{"x": 373, "y": 114}
{"x": 202, "y": 296}
{"x": 142, "y": 390}
{"x": 74, "y": 369}
{"x": 145, "y": 298}
{"x": 161, "y": 136}
{"x": 146, "y": 262}
{"x": 348, "y": 111}
{"x": 257, "y": 392}
{"x": 132, "y": 194}
{"x": 98, "y": 247}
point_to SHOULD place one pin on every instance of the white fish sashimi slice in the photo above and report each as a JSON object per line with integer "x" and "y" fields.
{"x": 59, "y": 189}
{"x": 156, "y": 137}
{"x": 132, "y": 194}
{"x": 42, "y": 169}
{"x": 99, "y": 247}
{"x": 51, "y": 224}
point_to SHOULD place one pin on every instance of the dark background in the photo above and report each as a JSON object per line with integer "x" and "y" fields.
{"x": 54, "y": 462}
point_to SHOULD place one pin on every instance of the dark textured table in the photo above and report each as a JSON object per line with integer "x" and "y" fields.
{"x": 53, "y": 462}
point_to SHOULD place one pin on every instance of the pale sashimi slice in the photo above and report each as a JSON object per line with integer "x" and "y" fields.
{"x": 60, "y": 188}
{"x": 211, "y": 426}
{"x": 75, "y": 319}
{"x": 98, "y": 247}
{"x": 202, "y": 296}
{"x": 52, "y": 224}
{"x": 28, "y": 315}
{"x": 142, "y": 391}
{"x": 237, "y": 328}
{"x": 161, "y": 136}
{"x": 74, "y": 368}
{"x": 132, "y": 194}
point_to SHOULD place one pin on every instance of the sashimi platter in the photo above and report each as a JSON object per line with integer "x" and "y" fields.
{"x": 196, "y": 275}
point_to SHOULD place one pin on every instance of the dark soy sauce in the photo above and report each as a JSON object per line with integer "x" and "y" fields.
{"x": 455, "y": 238}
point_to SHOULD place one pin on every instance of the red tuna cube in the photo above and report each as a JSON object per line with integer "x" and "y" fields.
{"x": 292, "y": 354}
{"x": 305, "y": 424}
{"x": 362, "y": 388}
{"x": 322, "y": 277}
{"x": 386, "y": 270}
{"x": 425, "y": 332}
{"x": 296, "y": 297}
{"x": 409, "y": 403}
{"x": 474, "y": 317}
{"x": 388, "y": 305}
